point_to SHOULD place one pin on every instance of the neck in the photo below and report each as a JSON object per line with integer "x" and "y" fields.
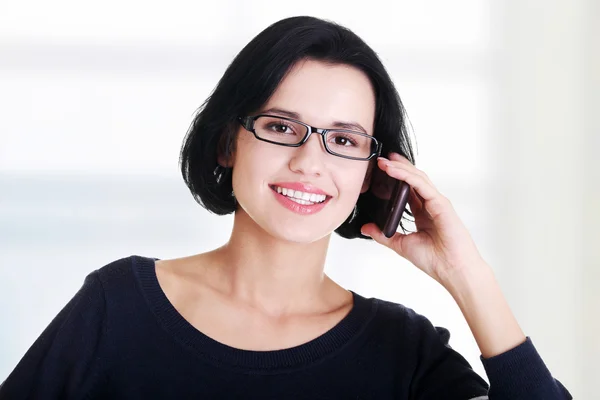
{"x": 274, "y": 275}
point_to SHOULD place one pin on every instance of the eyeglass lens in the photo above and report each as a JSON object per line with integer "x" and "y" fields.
{"x": 343, "y": 143}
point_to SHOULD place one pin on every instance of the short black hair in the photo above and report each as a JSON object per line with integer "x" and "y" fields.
{"x": 251, "y": 79}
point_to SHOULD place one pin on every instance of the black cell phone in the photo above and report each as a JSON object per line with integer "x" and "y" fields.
{"x": 392, "y": 195}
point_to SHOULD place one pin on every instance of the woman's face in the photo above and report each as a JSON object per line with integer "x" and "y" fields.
{"x": 320, "y": 94}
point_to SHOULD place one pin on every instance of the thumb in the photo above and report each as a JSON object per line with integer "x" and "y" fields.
{"x": 394, "y": 243}
{"x": 373, "y": 231}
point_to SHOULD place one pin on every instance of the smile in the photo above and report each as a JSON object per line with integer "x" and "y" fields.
{"x": 300, "y": 202}
{"x": 300, "y": 197}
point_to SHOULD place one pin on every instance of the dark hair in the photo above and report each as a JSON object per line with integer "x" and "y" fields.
{"x": 251, "y": 79}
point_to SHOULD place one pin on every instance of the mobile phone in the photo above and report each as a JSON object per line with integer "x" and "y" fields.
{"x": 394, "y": 208}
{"x": 391, "y": 198}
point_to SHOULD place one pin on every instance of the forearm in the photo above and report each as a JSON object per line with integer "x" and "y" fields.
{"x": 486, "y": 310}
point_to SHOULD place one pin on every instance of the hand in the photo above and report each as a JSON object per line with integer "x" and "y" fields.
{"x": 442, "y": 246}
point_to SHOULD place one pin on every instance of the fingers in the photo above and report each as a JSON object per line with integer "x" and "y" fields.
{"x": 411, "y": 175}
{"x": 372, "y": 230}
{"x": 416, "y": 204}
{"x": 403, "y": 160}
{"x": 427, "y": 198}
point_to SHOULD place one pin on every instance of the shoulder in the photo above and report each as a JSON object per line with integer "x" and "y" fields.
{"x": 410, "y": 324}
{"x": 397, "y": 313}
{"x": 124, "y": 270}
{"x": 122, "y": 281}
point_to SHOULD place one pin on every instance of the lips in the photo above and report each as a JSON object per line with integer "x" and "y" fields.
{"x": 300, "y": 186}
{"x": 302, "y": 209}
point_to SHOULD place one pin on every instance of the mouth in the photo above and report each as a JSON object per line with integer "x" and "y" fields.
{"x": 306, "y": 202}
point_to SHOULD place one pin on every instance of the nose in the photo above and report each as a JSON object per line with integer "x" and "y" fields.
{"x": 308, "y": 158}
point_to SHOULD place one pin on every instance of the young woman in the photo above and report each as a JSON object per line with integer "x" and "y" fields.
{"x": 288, "y": 142}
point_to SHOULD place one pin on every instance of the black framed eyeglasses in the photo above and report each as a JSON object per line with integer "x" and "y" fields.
{"x": 293, "y": 133}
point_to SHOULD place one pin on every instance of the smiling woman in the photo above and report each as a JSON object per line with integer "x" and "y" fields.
{"x": 312, "y": 81}
{"x": 289, "y": 142}
{"x": 288, "y": 153}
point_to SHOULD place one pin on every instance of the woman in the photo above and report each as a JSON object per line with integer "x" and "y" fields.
{"x": 257, "y": 317}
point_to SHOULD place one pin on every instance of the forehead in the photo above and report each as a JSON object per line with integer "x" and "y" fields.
{"x": 321, "y": 93}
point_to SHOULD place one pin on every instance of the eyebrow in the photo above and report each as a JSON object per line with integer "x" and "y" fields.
{"x": 354, "y": 126}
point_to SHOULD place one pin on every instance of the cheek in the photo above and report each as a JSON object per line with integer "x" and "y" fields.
{"x": 350, "y": 181}
{"x": 255, "y": 162}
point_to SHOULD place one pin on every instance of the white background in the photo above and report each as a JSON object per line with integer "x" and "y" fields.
{"x": 95, "y": 100}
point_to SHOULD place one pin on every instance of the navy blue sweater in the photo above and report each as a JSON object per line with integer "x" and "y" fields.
{"x": 120, "y": 338}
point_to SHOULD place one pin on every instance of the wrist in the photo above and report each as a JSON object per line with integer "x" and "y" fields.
{"x": 468, "y": 279}
{"x": 485, "y": 309}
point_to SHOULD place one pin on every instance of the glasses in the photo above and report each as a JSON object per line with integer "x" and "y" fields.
{"x": 292, "y": 133}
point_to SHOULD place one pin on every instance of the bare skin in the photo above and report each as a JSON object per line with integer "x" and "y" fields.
{"x": 202, "y": 297}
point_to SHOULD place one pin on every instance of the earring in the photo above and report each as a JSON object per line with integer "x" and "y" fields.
{"x": 218, "y": 173}
{"x": 354, "y": 212}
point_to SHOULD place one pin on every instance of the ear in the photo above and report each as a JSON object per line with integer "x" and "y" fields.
{"x": 225, "y": 152}
{"x": 223, "y": 161}
{"x": 368, "y": 176}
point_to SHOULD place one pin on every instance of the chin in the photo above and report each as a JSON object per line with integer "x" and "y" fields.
{"x": 303, "y": 233}
{"x": 291, "y": 227}
{"x": 307, "y": 236}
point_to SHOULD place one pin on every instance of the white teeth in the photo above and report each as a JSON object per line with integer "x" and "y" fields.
{"x": 301, "y": 197}
{"x": 303, "y": 202}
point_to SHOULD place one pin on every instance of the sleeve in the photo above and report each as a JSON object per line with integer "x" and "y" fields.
{"x": 64, "y": 361}
{"x": 520, "y": 373}
{"x": 442, "y": 372}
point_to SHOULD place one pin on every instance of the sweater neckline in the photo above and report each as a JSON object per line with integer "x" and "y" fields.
{"x": 328, "y": 343}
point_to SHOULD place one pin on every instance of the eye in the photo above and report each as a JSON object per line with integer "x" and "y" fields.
{"x": 280, "y": 128}
{"x": 343, "y": 140}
